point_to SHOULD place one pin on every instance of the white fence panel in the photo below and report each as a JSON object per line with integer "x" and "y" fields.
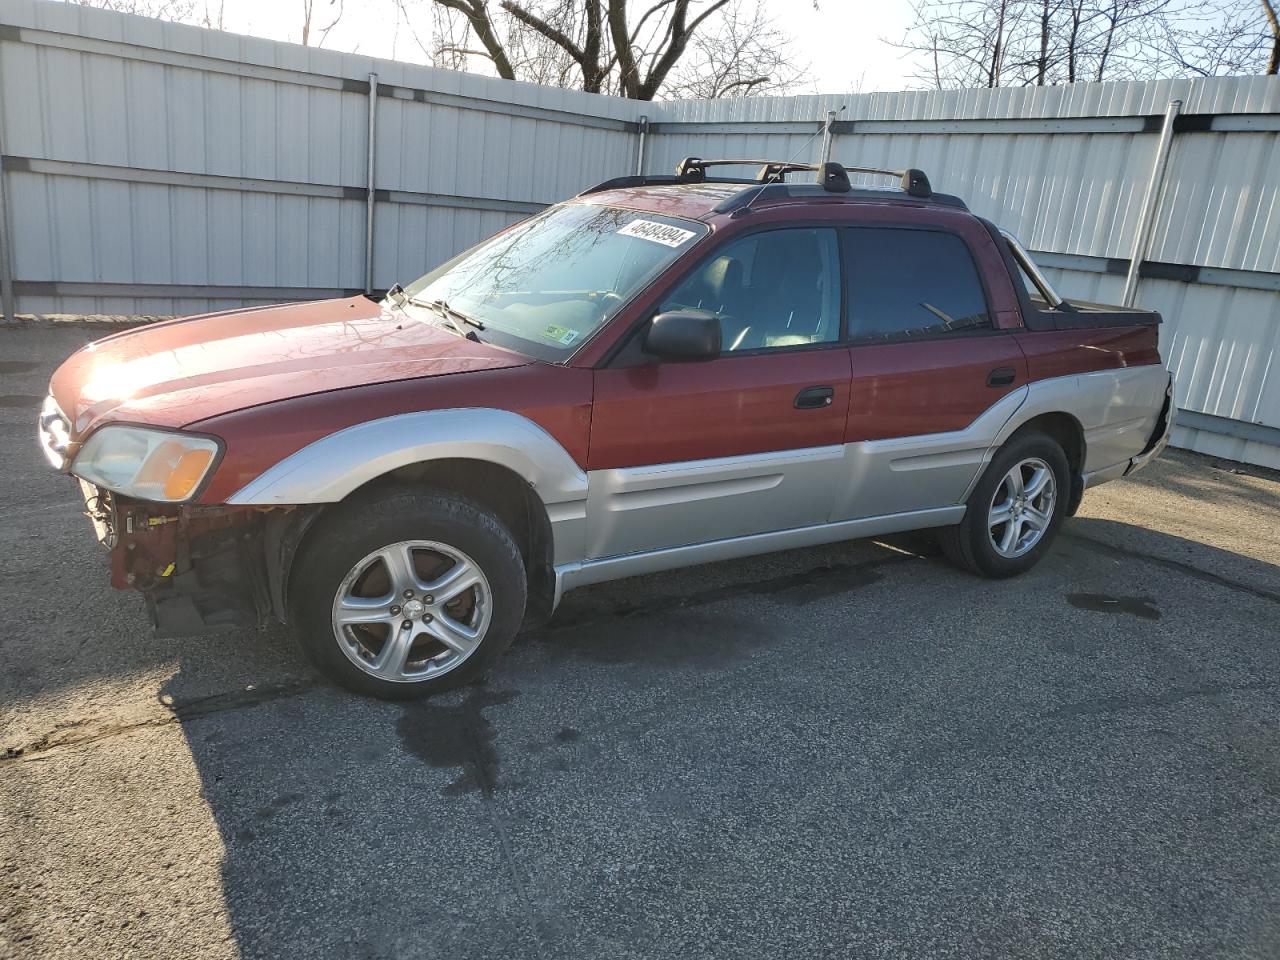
{"x": 157, "y": 168}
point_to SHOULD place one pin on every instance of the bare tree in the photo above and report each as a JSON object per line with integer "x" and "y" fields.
{"x": 613, "y": 46}
{"x": 644, "y": 68}
{"x": 308, "y": 21}
{"x": 179, "y": 11}
{"x": 1226, "y": 38}
{"x": 742, "y": 53}
{"x": 967, "y": 42}
{"x": 481, "y": 24}
{"x": 1022, "y": 42}
{"x": 214, "y": 16}
{"x": 1273, "y": 22}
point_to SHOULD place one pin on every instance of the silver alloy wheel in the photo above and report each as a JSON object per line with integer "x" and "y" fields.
{"x": 412, "y": 611}
{"x": 1022, "y": 507}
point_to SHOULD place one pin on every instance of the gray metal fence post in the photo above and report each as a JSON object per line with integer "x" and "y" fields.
{"x": 7, "y": 303}
{"x": 644, "y": 129}
{"x": 369, "y": 193}
{"x": 1150, "y": 203}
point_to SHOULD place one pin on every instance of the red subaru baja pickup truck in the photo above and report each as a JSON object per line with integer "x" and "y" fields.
{"x": 661, "y": 371}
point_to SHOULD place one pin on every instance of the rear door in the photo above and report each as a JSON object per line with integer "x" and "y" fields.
{"x": 751, "y": 442}
{"x": 929, "y": 360}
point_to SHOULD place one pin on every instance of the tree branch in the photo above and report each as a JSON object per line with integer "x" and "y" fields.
{"x": 556, "y": 36}
{"x": 680, "y": 34}
{"x": 478, "y": 16}
{"x": 1269, "y": 8}
{"x": 629, "y": 75}
{"x": 748, "y": 84}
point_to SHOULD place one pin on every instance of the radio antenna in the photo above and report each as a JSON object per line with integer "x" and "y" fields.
{"x": 782, "y": 170}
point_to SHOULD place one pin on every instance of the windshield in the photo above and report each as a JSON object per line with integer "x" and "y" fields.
{"x": 546, "y": 285}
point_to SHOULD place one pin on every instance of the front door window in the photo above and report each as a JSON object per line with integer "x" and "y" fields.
{"x": 776, "y": 288}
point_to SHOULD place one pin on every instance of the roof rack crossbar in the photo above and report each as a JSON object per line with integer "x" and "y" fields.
{"x": 832, "y": 177}
{"x": 913, "y": 181}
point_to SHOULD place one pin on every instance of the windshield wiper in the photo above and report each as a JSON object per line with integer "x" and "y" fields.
{"x": 455, "y": 318}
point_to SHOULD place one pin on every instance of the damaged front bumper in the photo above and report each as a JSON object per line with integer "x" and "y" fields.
{"x": 200, "y": 569}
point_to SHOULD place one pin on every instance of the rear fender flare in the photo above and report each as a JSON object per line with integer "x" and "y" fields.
{"x": 1115, "y": 409}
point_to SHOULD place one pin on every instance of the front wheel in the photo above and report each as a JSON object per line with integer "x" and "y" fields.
{"x": 1014, "y": 511}
{"x": 407, "y": 593}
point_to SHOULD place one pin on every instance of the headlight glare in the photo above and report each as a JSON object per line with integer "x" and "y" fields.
{"x": 146, "y": 464}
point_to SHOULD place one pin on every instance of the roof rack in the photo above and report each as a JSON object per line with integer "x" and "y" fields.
{"x": 834, "y": 177}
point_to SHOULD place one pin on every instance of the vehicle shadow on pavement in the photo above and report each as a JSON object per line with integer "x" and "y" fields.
{"x": 858, "y": 728}
{"x": 1116, "y": 545}
{"x": 358, "y": 828}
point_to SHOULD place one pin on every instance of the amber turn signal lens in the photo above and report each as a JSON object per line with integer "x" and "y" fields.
{"x": 187, "y": 474}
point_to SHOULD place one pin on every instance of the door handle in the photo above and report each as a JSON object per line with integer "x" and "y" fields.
{"x": 812, "y": 398}
{"x": 1001, "y": 377}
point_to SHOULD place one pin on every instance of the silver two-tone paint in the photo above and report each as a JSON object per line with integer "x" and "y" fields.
{"x": 329, "y": 469}
{"x": 621, "y": 522}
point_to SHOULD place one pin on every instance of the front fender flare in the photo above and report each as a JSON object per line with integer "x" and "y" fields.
{"x": 332, "y": 467}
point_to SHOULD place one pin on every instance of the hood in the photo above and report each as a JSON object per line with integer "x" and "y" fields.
{"x": 181, "y": 371}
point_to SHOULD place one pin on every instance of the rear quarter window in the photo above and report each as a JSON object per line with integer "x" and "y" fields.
{"x": 906, "y": 284}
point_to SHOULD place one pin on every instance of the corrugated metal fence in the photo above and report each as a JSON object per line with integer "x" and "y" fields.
{"x": 158, "y": 168}
{"x": 155, "y": 168}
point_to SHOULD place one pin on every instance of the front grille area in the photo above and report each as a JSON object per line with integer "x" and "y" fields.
{"x": 55, "y": 433}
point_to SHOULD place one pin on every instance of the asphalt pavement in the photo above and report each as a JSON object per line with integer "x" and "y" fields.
{"x": 852, "y": 751}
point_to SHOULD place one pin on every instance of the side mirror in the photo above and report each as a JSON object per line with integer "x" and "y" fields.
{"x": 684, "y": 335}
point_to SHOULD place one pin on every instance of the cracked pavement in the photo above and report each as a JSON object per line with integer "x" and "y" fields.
{"x": 848, "y": 751}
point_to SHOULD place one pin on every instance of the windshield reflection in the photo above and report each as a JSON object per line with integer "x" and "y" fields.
{"x": 551, "y": 282}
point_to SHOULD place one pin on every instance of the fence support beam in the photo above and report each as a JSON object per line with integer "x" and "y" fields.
{"x": 8, "y": 306}
{"x": 8, "y": 303}
{"x": 644, "y": 130}
{"x": 369, "y": 194}
{"x": 1150, "y": 203}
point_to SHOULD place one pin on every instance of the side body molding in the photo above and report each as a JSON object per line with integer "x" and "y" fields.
{"x": 1117, "y": 410}
{"x": 899, "y": 474}
{"x": 331, "y": 468}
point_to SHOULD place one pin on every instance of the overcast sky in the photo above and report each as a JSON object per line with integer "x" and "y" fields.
{"x": 844, "y": 41}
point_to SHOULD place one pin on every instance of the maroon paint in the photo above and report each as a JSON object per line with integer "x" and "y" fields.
{"x": 558, "y": 399}
{"x": 934, "y": 386}
{"x": 176, "y": 373}
{"x": 1059, "y": 353}
{"x": 664, "y": 413}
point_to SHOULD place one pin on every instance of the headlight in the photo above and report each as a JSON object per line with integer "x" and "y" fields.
{"x": 146, "y": 464}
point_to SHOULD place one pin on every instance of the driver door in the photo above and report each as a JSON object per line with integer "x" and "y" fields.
{"x": 748, "y": 443}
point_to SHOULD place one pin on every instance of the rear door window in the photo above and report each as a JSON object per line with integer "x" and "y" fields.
{"x": 907, "y": 284}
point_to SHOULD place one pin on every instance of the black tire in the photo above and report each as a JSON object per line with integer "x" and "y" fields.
{"x": 968, "y": 544}
{"x": 351, "y": 532}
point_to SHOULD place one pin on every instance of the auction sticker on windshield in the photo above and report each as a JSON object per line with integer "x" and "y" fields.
{"x": 657, "y": 232}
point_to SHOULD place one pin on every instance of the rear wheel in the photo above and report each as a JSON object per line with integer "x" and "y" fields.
{"x": 1014, "y": 511}
{"x": 407, "y": 594}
